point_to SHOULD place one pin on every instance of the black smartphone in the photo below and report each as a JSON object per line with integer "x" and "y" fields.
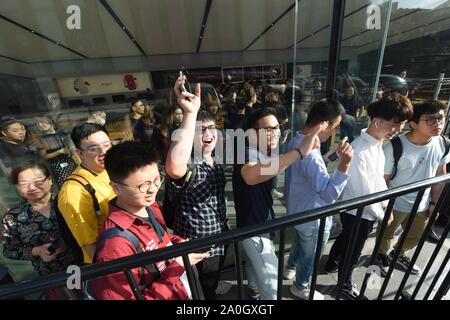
{"x": 206, "y": 249}
{"x": 186, "y": 86}
{"x": 55, "y": 246}
{"x": 333, "y": 157}
{"x": 52, "y": 248}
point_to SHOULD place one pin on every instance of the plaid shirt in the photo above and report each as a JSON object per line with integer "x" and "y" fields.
{"x": 202, "y": 204}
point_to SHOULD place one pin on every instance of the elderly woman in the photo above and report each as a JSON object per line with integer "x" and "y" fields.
{"x": 30, "y": 230}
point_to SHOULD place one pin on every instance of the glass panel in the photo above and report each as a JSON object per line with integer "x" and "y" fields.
{"x": 361, "y": 55}
{"x": 310, "y": 71}
{"x": 63, "y": 63}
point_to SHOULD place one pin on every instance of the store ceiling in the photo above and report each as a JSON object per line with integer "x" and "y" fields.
{"x": 35, "y": 30}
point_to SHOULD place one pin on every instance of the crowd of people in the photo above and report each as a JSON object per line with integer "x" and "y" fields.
{"x": 93, "y": 198}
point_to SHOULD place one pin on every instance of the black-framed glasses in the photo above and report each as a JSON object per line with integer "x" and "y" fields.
{"x": 38, "y": 183}
{"x": 272, "y": 130}
{"x": 431, "y": 121}
{"x": 97, "y": 149}
{"x": 145, "y": 186}
{"x": 210, "y": 128}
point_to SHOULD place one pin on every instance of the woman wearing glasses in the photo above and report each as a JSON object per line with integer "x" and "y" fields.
{"x": 30, "y": 229}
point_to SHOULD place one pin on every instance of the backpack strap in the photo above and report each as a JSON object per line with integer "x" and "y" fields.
{"x": 446, "y": 145}
{"x": 131, "y": 237}
{"x": 397, "y": 150}
{"x": 89, "y": 188}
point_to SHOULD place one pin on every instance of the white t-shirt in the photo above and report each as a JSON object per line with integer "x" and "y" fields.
{"x": 416, "y": 163}
{"x": 366, "y": 174}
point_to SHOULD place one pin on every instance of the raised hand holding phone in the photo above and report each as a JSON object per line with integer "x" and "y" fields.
{"x": 344, "y": 152}
{"x": 189, "y": 102}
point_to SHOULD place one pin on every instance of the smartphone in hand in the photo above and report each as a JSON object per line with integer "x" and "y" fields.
{"x": 183, "y": 88}
{"x": 55, "y": 246}
{"x": 333, "y": 157}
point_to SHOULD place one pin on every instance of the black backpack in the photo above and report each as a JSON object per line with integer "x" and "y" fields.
{"x": 134, "y": 240}
{"x": 64, "y": 229}
{"x": 397, "y": 151}
{"x": 171, "y": 208}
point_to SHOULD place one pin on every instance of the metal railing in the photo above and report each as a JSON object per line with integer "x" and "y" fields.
{"x": 280, "y": 224}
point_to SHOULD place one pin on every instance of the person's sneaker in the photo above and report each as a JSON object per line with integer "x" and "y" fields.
{"x": 289, "y": 273}
{"x": 404, "y": 262}
{"x": 331, "y": 267}
{"x": 253, "y": 294}
{"x": 383, "y": 263}
{"x": 350, "y": 292}
{"x": 223, "y": 287}
{"x": 303, "y": 293}
{"x": 277, "y": 194}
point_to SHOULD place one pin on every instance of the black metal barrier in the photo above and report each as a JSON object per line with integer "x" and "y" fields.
{"x": 280, "y": 224}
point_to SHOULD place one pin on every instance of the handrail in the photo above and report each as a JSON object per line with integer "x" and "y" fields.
{"x": 195, "y": 245}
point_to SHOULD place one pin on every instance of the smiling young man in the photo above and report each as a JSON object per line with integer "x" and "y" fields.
{"x": 135, "y": 178}
{"x": 252, "y": 185}
{"x": 201, "y": 203}
{"x": 74, "y": 201}
{"x": 422, "y": 158}
{"x": 388, "y": 116}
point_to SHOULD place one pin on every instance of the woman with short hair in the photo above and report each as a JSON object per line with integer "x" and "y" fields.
{"x": 30, "y": 229}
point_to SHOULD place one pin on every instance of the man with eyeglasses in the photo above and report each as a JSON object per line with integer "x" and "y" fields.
{"x": 252, "y": 184}
{"x": 201, "y": 209}
{"x": 135, "y": 178}
{"x": 74, "y": 201}
{"x": 423, "y": 141}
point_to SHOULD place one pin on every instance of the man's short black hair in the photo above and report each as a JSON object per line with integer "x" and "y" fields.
{"x": 127, "y": 157}
{"x": 392, "y": 106}
{"x": 259, "y": 114}
{"x": 205, "y": 116}
{"x": 428, "y": 107}
{"x": 82, "y": 131}
{"x": 7, "y": 121}
{"x": 324, "y": 110}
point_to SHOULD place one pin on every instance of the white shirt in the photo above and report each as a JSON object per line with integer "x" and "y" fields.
{"x": 418, "y": 162}
{"x": 367, "y": 174}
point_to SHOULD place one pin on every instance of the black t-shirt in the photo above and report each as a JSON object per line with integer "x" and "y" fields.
{"x": 51, "y": 142}
{"x": 148, "y": 134}
{"x": 13, "y": 155}
{"x": 350, "y": 105}
{"x": 239, "y": 121}
{"x": 253, "y": 204}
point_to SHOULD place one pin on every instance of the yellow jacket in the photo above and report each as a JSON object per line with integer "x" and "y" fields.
{"x": 77, "y": 208}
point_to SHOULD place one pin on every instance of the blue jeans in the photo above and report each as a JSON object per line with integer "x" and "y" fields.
{"x": 261, "y": 266}
{"x": 303, "y": 253}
